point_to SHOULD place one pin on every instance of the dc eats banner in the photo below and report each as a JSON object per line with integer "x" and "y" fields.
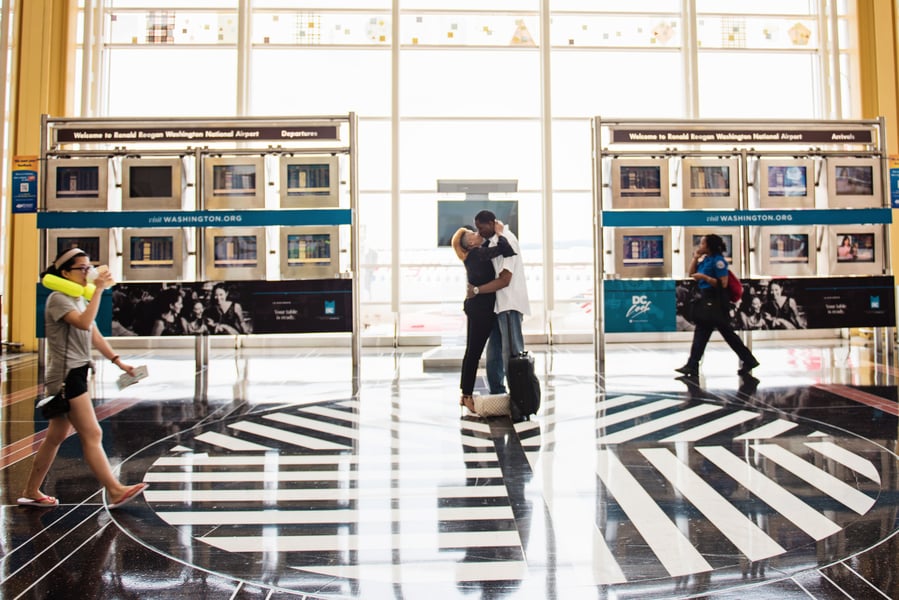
{"x": 659, "y": 305}
{"x": 633, "y": 305}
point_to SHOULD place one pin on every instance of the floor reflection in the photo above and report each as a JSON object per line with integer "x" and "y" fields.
{"x": 268, "y": 477}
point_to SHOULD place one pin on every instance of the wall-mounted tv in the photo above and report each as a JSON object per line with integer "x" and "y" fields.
{"x": 639, "y": 183}
{"x": 786, "y": 183}
{"x": 153, "y": 254}
{"x": 95, "y": 242}
{"x": 309, "y": 252}
{"x": 732, "y": 241}
{"x": 788, "y": 250}
{"x": 235, "y": 253}
{"x": 643, "y": 252}
{"x": 77, "y": 184}
{"x": 152, "y": 183}
{"x": 855, "y": 249}
{"x": 453, "y": 214}
{"x": 309, "y": 181}
{"x": 710, "y": 183}
{"x": 234, "y": 182}
{"x": 853, "y": 183}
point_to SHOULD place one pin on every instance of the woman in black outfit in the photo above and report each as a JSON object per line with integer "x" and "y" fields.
{"x": 709, "y": 269}
{"x": 480, "y": 308}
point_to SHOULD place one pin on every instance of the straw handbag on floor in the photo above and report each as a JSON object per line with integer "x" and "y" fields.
{"x": 491, "y": 405}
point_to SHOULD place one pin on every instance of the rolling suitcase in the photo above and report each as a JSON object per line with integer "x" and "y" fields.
{"x": 524, "y": 388}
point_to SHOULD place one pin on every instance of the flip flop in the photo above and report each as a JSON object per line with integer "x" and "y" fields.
{"x": 130, "y": 495}
{"x": 42, "y": 502}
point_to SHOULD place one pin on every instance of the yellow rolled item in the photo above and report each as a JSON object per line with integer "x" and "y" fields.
{"x": 68, "y": 287}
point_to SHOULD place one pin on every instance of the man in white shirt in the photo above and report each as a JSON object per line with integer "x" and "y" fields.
{"x": 512, "y": 303}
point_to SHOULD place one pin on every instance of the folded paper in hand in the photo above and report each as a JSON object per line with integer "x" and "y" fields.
{"x": 125, "y": 379}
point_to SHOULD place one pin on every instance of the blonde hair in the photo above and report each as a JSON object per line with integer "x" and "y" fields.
{"x": 458, "y": 242}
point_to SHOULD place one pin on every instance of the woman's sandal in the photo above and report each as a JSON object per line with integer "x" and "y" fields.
{"x": 468, "y": 402}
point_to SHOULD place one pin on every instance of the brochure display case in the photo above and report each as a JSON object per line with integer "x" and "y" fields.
{"x": 798, "y": 200}
{"x": 309, "y": 252}
{"x": 640, "y": 183}
{"x": 200, "y": 213}
{"x": 309, "y": 181}
{"x": 732, "y": 237}
{"x": 235, "y": 253}
{"x": 153, "y": 254}
{"x": 95, "y": 242}
{"x": 786, "y": 183}
{"x": 710, "y": 183}
{"x": 788, "y": 251}
{"x": 77, "y": 184}
{"x": 855, "y": 250}
{"x": 643, "y": 252}
{"x": 853, "y": 182}
{"x": 234, "y": 182}
{"x": 152, "y": 183}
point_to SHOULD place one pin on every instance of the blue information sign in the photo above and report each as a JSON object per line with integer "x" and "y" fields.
{"x": 894, "y": 188}
{"x": 24, "y": 184}
{"x": 195, "y": 218}
{"x": 738, "y": 218}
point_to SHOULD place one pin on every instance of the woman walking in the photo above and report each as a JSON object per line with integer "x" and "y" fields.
{"x": 70, "y": 332}
{"x": 709, "y": 269}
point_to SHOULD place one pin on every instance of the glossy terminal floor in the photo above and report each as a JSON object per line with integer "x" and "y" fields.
{"x": 268, "y": 480}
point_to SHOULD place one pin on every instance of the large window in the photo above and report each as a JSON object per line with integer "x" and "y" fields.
{"x": 480, "y": 96}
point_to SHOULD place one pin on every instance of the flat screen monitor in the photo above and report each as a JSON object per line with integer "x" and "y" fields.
{"x": 853, "y": 183}
{"x": 643, "y": 252}
{"x": 235, "y": 253}
{"x": 639, "y": 183}
{"x": 710, "y": 183}
{"x": 788, "y": 250}
{"x": 153, "y": 254}
{"x": 453, "y": 214}
{"x": 152, "y": 183}
{"x": 95, "y": 242}
{"x": 234, "y": 182}
{"x": 855, "y": 250}
{"x": 77, "y": 184}
{"x": 309, "y": 181}
{"x": 310, "y": 252}
{"x": 732, "y": 242}
{"x": 786, "y": 183}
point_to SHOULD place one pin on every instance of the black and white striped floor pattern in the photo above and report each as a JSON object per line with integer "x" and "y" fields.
{"x": 336, "y": 495}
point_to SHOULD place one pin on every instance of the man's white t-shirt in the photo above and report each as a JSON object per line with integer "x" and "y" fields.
{"x": 515, "y": 295}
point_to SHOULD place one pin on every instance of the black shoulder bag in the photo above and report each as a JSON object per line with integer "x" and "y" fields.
{"x": 58, "y": 404}
{"x": 711, "y": 308}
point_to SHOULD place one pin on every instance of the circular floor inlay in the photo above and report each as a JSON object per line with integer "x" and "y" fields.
{"x": 329, "y": 499}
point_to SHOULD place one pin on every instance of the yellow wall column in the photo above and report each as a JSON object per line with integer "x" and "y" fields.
{"x": 879, "y": 81}
{"x": 42, "y": 79}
